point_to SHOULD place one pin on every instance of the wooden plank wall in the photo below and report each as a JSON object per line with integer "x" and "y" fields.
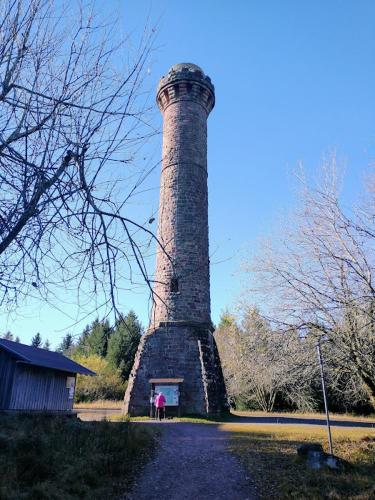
{"x": 7, "y": 368}
{"x": 37, "y": 388}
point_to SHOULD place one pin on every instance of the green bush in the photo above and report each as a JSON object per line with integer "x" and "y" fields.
{"x": 107, "y": 384}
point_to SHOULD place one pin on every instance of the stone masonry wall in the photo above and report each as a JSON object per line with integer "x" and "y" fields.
{"x": 181, "y": 351}
{"x": 183, "y": 207}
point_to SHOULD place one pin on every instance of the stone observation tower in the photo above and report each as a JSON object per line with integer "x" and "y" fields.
{"x": 179, "y": 348}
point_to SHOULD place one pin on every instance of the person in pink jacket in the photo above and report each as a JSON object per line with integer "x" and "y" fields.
{"x": 160, "y": 405}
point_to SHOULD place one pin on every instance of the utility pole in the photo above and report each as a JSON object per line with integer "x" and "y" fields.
{"x": 324, "y": 395}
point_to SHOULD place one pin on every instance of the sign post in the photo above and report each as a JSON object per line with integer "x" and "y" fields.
{"x": 152, "y": 399}
{"x": 320, "y": 359}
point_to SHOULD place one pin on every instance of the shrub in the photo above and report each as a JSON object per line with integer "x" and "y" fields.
{"x": 107, "y": 383}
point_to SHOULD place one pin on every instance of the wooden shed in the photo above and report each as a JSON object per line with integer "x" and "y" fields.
{"x": 36, "y": 379}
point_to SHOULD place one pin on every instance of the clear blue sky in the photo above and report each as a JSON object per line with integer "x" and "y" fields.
{"x": 294, "y": 80}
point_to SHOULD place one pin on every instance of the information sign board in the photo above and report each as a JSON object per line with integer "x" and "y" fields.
{"x": 170, "y": 392}
{"x": 70, "y": 384}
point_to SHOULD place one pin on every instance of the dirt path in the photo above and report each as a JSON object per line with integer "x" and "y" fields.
{"x": 193, "y": 463}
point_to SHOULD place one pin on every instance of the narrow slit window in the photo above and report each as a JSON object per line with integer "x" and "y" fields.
{"x": 174, "y": 285}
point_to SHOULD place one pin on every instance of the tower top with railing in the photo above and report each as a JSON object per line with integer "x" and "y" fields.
{"x": 185, "y": 81}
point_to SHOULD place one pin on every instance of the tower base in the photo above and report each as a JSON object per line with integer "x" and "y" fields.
{"x": 178, "y": 350}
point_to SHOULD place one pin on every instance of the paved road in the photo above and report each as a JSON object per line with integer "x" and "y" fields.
{"x": 192, "y": 462}
{"x": 302, "y": 421}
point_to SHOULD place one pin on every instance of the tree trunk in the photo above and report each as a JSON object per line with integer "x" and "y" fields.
{"x": 369, "y": 385}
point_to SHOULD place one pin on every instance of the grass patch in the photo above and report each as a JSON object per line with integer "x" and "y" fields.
{"x": 199, "y": 419}
{"x": 269, "y": 452}
{"x": 103, "y": 404}
{"x": 193, "y": 419}
{"x": 62, "y": 458}
{"x": 237, "y": 416}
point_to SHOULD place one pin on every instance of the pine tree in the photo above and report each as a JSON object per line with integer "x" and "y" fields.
{"x": 8, "y": 335}
{"x": 67, "y": 344}
{"x": 96, "y": 342}
{"x": 81, "y": 347}
{"x": 123, "y": 343}
{"x": 84, "y": 335}
{"x": 47, "y": 345}
{"x": 36, "y": 341}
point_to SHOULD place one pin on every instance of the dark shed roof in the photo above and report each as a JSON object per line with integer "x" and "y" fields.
{"x": 42, "y": 357}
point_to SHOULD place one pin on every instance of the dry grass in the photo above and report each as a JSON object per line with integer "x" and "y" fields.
{"x": 44, "y": 457}
{"x": 269, "y": 453}
{"x": 103, "y": 404}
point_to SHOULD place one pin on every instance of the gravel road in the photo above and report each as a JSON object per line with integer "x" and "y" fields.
{"x": 192, "y": 462}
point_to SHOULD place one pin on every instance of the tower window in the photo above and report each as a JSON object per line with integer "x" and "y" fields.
{"x": 174, "y": 285}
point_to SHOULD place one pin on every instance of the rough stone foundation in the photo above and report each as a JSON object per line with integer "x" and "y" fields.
{"x": 178, "y": 351}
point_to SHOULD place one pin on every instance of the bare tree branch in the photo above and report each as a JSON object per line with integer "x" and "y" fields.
{"x": 318, "y": 277}
{"x": 73, "y": 117}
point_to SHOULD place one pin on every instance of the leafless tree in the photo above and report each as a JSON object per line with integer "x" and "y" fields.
{"x": 317, "y": 277}
{"x": 73, "y": 116}
{"x": 277, "y": 364}
{"x": 261, "y": 364}
{"x": 346, "y": 390}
